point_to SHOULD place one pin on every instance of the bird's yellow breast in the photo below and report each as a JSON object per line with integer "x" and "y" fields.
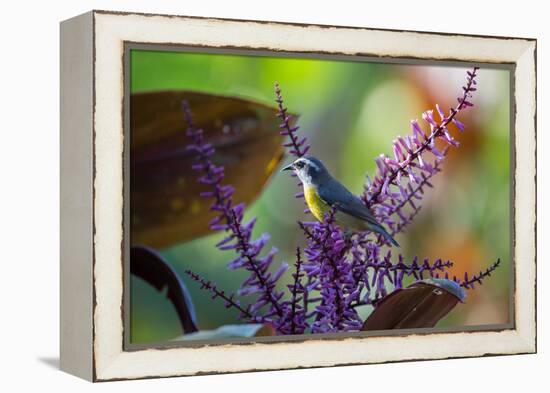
{"x": 319, "y": 208}
{"x": 315, "y": 204}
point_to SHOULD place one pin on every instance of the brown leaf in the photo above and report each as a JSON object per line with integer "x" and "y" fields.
{"x": 420, "y": 305}
{"x": 166, "y": 208}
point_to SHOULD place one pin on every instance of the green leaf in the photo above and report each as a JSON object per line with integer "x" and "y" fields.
{"x": 230, "y": 331}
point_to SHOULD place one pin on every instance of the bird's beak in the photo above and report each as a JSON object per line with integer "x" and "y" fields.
{"x": 288, "y": 167}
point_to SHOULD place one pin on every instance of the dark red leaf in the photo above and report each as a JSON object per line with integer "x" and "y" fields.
{"x": 420, "y": 305}
{"x": 148, "y": 265}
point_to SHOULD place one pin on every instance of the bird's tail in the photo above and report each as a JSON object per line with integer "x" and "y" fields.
{"x": 381, "y": 230}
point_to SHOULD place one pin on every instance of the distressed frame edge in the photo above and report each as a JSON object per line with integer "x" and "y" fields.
{"x": 160, "y": 47}
{"x": 304, "y": 24}
{"x": 76, "y": 196}
{"x": 526, "y": 338}
{"x": 526, "y": 196}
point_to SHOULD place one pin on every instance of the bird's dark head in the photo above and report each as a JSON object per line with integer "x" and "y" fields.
{"x": 309, "y": 169}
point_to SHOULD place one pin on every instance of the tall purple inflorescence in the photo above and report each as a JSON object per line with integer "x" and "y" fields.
{"x": 335, "y": 274}
{"x": 297, "y": 147}
{"x": 327, "y": 268}
{"x": 400, "y": 180}
{"x": 331, "y": 273}
{"x": 239, "y": 238}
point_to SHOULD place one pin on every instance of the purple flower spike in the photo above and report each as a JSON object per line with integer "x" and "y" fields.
{"x": 228, "y": 299}
{"x": 298, "y": 147}
{"x": 468, "y": 283}
{"x": 260, "y": 283}
{"x": 410, "y": 154}
{"x": 327, "y": 264}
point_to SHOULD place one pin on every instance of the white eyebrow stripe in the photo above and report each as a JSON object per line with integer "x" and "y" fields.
{"x": 312, "y": 164}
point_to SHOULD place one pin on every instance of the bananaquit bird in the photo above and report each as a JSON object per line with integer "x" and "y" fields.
{"x": 323, "y": 192}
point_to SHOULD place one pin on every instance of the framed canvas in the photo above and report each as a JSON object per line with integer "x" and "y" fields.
{"x": 245, "y": 195}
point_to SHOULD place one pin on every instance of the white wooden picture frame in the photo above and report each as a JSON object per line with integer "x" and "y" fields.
{"x": 92, "y": 194}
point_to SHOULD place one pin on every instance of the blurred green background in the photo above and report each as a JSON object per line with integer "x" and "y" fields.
{"x": 351, "y": 111}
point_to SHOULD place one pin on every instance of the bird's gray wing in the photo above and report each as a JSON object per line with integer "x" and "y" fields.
{"x": 340, "y": 198}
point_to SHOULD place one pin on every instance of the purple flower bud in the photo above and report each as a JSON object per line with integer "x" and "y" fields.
{"x": 440, "y": 112}
{"x": 429, "y": 118}
{"x": 458, "y": 124}
{"x": 417, "y": 131}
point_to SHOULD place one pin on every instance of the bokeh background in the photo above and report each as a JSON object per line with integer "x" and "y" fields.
{"x": 351, "y": 111}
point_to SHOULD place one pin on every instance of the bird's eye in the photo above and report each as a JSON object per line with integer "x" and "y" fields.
{"x": 300, "y": 164}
